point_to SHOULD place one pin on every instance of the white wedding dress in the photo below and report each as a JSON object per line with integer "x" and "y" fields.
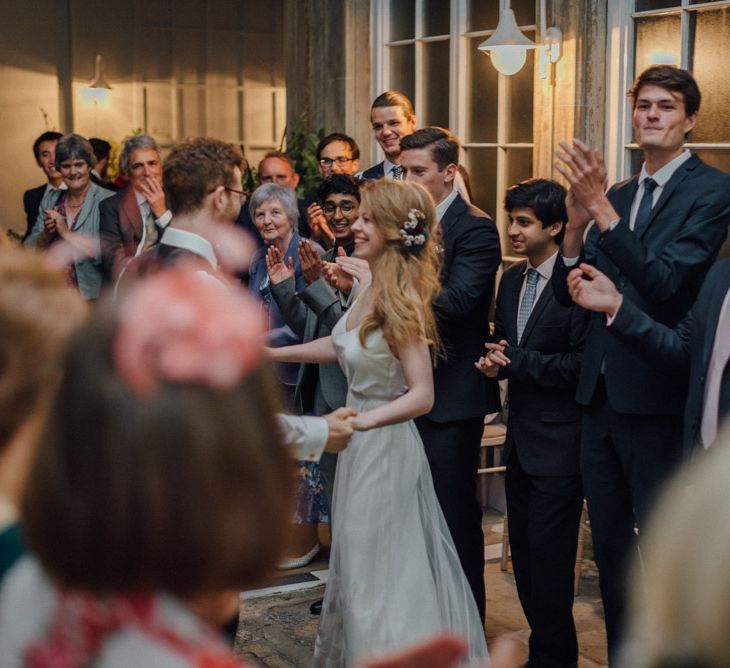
{"x": 394, "y": 575}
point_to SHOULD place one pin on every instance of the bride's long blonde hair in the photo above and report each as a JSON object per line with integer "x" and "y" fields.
{"x": 407, "y": 278}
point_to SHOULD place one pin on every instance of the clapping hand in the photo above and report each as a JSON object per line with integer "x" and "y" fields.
{"x": 593, "y": 290}
{"x": 276, "y": 268}
{"x": 584, "y": 169}
{"x": 309, "y": 261}
{"x": 318, "y": 224}
{"x": 336, "y": 276}
{"x": 495, "y": 358}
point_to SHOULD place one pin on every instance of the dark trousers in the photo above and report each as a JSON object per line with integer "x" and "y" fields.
{"x": 452, "y": 449}
{"x": 328, "y": 469}
{"x": 544, "y": 515}
{"x": 625, "y": 459}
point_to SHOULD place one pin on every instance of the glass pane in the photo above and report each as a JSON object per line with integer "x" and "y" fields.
{"x": 520, "y": 89}
{"x": 483, "y": 14}
{"x": 402, "y": 19}
{"x": 482, "y": 166}
{"x": 710, "y": 56}
{"x": 402, "y": 70}
{"x": 436, "y": 83}
{"x": 482, "y": 96}
{"x": 644, "y": 5}
{"x": 697, "y": 2}
{"x": 191, "y": 103}
{"x": 436, "y": 17}
{"x": 657, "y": 41}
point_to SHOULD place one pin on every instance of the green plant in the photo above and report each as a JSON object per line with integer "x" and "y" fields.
{"x": 301, "y": 146}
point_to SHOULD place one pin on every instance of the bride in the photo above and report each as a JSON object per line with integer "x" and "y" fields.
{"x": 394, "y": 577}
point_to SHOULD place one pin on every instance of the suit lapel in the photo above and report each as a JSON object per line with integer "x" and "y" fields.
{"x": 90, "y": 202}
{"x": 679, "y": 175}
{"x": 129, "y": 215}
{"x": 545, "y": 296}
{"x": 511, "y": 283}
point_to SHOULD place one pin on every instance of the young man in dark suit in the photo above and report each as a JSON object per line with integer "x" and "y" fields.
{"x": 452, "y": 431}
{"x": 538, "y": 346}
{"x": 44, "y": 150}
{"x": 392, "y": 118}
{"x": 700, "y": 343}
{"x": 656, "y": 236}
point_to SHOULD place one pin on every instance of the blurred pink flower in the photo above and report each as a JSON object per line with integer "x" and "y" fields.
{"x": 179, "y": 326}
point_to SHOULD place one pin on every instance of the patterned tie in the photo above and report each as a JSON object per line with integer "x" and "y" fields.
{"x": 397, "y": 172}
{"x": 644, "y": 212}
{"x": 528, "y": 300}
{"x": 151, "y": 233}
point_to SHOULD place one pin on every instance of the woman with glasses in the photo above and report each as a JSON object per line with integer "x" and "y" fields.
{"x": 72, "y": 214}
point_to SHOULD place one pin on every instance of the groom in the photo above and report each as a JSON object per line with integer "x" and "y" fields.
{"x": 452, "y": 431}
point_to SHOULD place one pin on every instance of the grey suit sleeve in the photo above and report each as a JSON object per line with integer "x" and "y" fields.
{"x": 321, "y": 299}
{"x": 46, "y": 203}
{"x": 292, "y": 309}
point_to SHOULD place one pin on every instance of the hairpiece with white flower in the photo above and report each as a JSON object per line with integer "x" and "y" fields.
{"x": 413, "y": 231}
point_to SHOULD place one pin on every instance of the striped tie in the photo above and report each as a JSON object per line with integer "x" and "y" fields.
{"x": 528, "y": 299}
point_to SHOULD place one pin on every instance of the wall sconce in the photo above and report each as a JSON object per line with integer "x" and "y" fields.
{"x": 508, "y": 46}
{"x": 97, "y": 92}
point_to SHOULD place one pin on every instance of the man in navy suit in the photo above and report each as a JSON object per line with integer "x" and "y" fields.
{"x": 700, "y": 343}
{"x": 44, "y": 150}
{"x": 655, "y": 236}
{"x": 392, "y": 118}
{"x": 452, "y": 431}
{"x": 537, "y": 345}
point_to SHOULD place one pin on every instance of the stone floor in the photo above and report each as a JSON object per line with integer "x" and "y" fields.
{"x": 277, "y": 631}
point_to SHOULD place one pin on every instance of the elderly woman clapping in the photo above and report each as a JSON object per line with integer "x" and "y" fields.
{"x": 274, "y": 211}
{"x": 72, "y": 214}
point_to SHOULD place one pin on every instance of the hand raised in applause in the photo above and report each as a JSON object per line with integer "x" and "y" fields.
{"x": 336, "y": 276}
{"x": 495, "y": 358}
{"x": 339, "y": 428}
{"x": 321, "y": 231}
{"x": 309, "y": 261}
{"x": 593, "y": 290}
{"x": 276, "y": 268}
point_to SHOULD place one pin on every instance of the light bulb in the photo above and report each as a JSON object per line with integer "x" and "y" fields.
{"x": 508, "y": 59}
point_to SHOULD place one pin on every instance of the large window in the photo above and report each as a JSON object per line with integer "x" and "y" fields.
{"x": 428, "y": 50}
{"x": 687, "y": 33}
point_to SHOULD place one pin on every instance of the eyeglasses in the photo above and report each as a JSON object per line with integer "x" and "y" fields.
{"x": 345, "y": 207}
{"x": 342, "y": 161}
{"x": 233, "y": 190}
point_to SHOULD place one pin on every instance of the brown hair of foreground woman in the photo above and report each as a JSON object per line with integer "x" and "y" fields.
{"x": 162, "y": 467}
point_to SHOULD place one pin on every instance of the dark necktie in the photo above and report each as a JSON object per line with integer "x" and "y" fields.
{"x": 397, "y": 172}
{"x": 528, "y": 300}
{"x": 644, "y": 212}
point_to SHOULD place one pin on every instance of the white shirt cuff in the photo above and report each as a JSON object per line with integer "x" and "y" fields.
{"x": 164, "y": 220}
{"x": 305, "y": 434}
{"x": 570, "y": 261}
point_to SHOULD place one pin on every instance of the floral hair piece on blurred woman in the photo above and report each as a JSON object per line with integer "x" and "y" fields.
{"x": 413, "y": 232}
{"x": 179, "y": 326}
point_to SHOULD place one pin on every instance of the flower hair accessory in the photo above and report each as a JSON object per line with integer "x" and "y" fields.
{"x": 413, "y": 231}
{"x": 180, "y": 326}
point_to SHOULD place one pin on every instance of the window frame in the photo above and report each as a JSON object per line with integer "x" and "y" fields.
{"x": 620, "y": 61}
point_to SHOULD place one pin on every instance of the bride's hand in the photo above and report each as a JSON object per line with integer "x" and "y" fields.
{"x": 362, "y": 422}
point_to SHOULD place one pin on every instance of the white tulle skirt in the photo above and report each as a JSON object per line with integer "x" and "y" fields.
{"x": 395, "y": 577}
